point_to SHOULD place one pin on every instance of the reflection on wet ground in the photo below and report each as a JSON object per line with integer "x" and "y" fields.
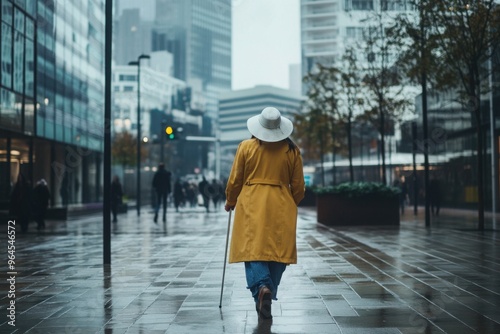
{"x": 166, "y": 278}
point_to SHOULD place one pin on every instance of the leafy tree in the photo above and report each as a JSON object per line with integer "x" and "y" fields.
{"x": 469, "y": 35}
{"x": 124, "y": 150}
{"x": 317, "y": 124}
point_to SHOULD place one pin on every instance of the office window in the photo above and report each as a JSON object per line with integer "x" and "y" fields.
{"x": 19, "y": 21}
{"x": 29, "y": 116}
{"x": 124, "y": 77}
{"x": 31, "y": 7}
{"x": 6, "y": 56}
{"x": 359, "y": 4}
{"x": 30, "y": 68}
{"x": 22, "y": 3}
{"x": 387, "y": 5}
{"x": 18, "y": 62}
{"x": 30, "y": 28}
{"x": 7, "y": 12}
{"x": 11, "y": 107}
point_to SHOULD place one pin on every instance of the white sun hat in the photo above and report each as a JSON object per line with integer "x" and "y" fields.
{"x": 270, "y": 126}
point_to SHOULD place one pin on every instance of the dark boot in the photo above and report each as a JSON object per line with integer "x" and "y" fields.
{"x": 264, "y": 304}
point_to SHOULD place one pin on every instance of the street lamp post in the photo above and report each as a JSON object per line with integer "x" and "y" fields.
{"x": 138, "y": 192}
{"x": 162, "y": 138}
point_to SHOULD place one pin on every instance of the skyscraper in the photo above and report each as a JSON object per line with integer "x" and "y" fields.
{"x": 196, "y": 32}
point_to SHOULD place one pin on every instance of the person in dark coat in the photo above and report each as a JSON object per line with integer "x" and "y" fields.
{"x": 203, "y": 188}
{"x": 216, "y": 193}
{"x": 21, "y": 202}
{"x": 161, "y": 184}
{"x": 435, "y": 196}
{"x": 178, "y": 194}
{"x": 190, "y": 194}
{"x": 403, "y": 195}
{"x": 41, "y": 198}
{"x": 116, "y": 196}
{"x": 64, "y": 190}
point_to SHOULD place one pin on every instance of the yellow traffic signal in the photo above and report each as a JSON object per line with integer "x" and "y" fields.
{"x": 170, "y": 132}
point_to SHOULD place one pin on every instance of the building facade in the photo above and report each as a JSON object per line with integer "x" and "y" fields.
{"x": 328, "y": 27}
{"x": 51, "y": 97}
{"x": 236, "y": 107}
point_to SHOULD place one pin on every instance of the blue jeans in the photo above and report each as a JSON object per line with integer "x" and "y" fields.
{"x": 263, "y": 273}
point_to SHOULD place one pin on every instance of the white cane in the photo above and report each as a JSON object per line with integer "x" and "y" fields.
{"x": 225, "y": 258}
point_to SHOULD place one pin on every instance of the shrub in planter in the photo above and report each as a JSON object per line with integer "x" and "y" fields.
{"x": 358, "y": 203}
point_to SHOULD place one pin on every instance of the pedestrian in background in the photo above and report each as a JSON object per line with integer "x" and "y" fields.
{"x": 264, "y": 188}
{"x": 41, "y": 198}
{"x": 191, "y": 190}
{"x": 162, "y": 187}
{"x": 435, "y": 196}
{"x": 215, "y": 193}
{"x": 178, "y": 194}
{"x": 21, "y": 202}
{"x": 116, "y": 197}
{"x": 203, "y": 188}
{"x": 403, "y": 193}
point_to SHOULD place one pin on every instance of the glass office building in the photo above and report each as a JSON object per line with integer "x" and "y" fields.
{"x": 51, "y": 96}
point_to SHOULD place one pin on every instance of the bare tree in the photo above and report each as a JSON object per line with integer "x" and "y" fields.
{"x": 385, "y": 98}
{"x": 352, "y": 97}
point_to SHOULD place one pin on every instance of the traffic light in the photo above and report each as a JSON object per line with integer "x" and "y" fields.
{"x": 170, "y": 131}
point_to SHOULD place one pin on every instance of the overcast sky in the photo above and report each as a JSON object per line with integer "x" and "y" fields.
{"x": 266, "y": 40}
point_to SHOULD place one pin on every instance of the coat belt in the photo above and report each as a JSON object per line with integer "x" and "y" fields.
{"x": 264, "y": 181}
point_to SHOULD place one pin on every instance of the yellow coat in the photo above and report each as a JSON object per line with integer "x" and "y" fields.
{"x": 266, "y": 184}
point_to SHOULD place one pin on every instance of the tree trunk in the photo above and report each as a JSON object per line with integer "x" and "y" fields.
{"x": 349, "y": 144}
{"x": 480, "y": 172}
{"x": 322, "y": 159}
{"x": 382, "y": 141}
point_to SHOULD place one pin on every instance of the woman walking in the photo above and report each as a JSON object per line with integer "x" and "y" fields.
{"x": 265, "y": 186}
{"x": 116, "y": 197}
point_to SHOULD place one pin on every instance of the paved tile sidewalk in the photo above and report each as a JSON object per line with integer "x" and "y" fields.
{"x": 166, "y": 278}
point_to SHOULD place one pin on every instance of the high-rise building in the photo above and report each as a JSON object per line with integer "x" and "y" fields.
{"x": 51, "y": 96}
{"x": 196, "y": 32}
{"x": 236, "y": 107}
{"x": 329, "y": 26}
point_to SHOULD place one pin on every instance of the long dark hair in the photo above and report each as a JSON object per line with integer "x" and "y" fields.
{"x": 291, "y": 145}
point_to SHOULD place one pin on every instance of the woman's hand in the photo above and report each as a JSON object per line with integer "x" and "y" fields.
{"x": 228, "y": 207}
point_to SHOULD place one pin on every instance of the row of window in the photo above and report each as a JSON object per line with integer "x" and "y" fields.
{"x": 17, "y": 68}
{"x": 70, "y": 75}
{"x": 385, "y": 5}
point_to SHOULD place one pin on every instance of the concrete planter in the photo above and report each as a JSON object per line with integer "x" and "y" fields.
{"x": 309, "y": 198}
{"x": 336, "y": 210}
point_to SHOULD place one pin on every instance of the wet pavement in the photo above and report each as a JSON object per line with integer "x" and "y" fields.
{"x": 166, "y": 278}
